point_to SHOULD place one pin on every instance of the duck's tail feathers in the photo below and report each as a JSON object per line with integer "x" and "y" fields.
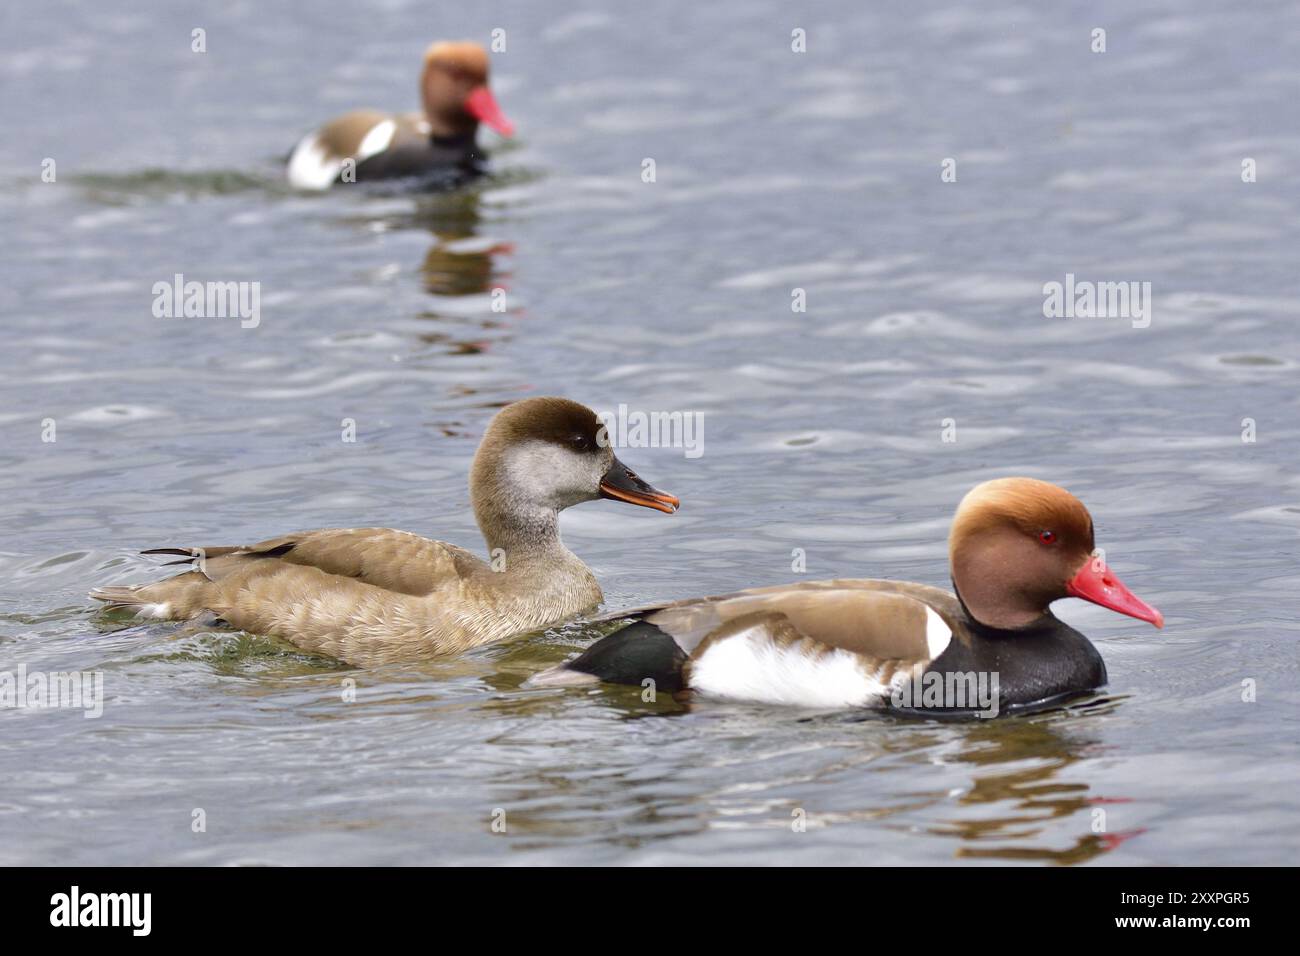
{"x": 200, "y": 556}
{"x": 631, "y": 655}
{"x": 176, "y": 598}
{"x": 140, "y": 598}
{"x": 117, "y": 597}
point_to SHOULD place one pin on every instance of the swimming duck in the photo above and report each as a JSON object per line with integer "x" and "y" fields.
{"x": 440, "y": 141}
{"x": 375, "y": 594}
{"x": 1016, "y": 545}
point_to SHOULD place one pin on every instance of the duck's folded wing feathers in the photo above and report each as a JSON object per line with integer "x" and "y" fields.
{"x": 394, "y": 560}
{"x": 820, "y": 644}
{"x": 836, "y": 648}
{"x": 879, "y": 618}
{"x": 876, "y": 626}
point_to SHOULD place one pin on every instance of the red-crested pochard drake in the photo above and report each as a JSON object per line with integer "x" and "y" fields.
{"x": 1017, "y": 545}
{"x": 368, "y": 595}
{"x": 440, "y": 142}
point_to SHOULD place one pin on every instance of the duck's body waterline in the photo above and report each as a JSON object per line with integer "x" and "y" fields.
{"x": 440, "y": 600}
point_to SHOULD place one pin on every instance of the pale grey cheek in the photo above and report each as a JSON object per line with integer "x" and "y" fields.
{"x": 582, "y": 475}
{"x": 552, "y": 476}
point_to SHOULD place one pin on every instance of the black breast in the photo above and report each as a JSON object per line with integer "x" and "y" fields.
{"x": 1033, "y": 666}
{"x": 446, "y": 162}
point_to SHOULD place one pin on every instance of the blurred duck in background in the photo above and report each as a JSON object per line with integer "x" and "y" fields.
{"x": 439, "y": 144}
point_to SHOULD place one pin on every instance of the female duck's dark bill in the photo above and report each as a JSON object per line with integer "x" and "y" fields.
{"x": 622, "y": 484}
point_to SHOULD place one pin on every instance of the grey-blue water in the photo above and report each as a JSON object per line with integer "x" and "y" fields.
{"x": 775, "y": 171}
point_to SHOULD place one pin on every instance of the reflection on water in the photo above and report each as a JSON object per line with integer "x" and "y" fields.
{"x": 454, "y": 266}
{"x": 1019, "y": 764}
{"x": 166, "y": 185}
{"x": 464, "y": 270}
{"x": 460, "y": 261}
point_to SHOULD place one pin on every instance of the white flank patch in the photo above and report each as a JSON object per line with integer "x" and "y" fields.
{"x": 937, "y": 634}
{"x": 377, "y": 140}
{"x": 310, "y": 167}
{"x": 160, "y": 611}
{"x": 751, "y": 666}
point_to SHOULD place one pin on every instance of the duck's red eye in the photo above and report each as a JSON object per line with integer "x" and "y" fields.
{"x": 1047, "y": 537}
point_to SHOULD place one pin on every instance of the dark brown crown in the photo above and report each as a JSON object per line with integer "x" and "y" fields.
{"x": 556, "y": 420}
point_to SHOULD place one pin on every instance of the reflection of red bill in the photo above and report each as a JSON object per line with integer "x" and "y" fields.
{"x": 1113, "y": 840}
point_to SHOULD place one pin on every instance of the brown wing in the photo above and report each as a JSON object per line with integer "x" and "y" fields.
{"x": 343, "y": 136}
{"x": 880, "y": 620}
{"x": 394, "y": 560}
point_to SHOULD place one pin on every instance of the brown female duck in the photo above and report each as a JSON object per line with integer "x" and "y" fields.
{"x": 368, "y": 594}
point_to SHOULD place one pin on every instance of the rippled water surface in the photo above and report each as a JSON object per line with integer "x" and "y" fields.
{"x": 775, "y": 171}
